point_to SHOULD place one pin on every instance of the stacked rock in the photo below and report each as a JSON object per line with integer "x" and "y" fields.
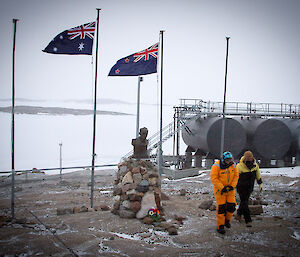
{"x": 137, "y": 189}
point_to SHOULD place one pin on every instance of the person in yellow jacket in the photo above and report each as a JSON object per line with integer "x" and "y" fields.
{"x": 224, "y": 176}
{"x": 248, "y": 172}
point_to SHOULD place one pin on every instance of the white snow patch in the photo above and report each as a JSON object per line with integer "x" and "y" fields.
{"x": 199, "y": 182}
{"x": 106, "y": 249}
{"x": 292, "y": 172}
{"x": 296, "y": 234}
{"x": 152, "y": 237}
{"x": 13, "y": 240}
{"x": 293, "y": 183}
{"x": 42, "y": 230}
{"x": 29, "y": 253}
{"x": 127, "y": 236}
{"x": 203, "y": 174}
{"x": 258, "y": 238}
{"x": 106, "y": 192}
{"x": 56, "y": 244}
{"x": 57, "y": 192}
{"x": 41, "y": 202}
{"x": 17, "y": 226}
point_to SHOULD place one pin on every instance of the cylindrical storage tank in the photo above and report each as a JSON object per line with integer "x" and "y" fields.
{"x": 294, "y": 126}
{"x": 270, "y": 138}
{"x": 298, "y": 139}
{"x": 204, "y": 134}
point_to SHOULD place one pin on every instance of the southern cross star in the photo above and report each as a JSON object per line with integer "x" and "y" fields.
{"x": 81, "y": 46}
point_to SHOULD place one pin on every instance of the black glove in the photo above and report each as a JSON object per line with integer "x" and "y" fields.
{"x": 226, "y": 189}
{"x": 229, "y": 188}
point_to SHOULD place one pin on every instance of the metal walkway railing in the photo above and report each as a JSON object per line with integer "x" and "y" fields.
{"x": 153, "y": 141}
{"x": 191, "y": 107}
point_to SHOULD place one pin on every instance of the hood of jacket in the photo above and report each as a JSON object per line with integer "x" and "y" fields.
{"x": 243, "y": 167}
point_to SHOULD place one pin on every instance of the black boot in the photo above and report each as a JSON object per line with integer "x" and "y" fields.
{"x": 227, "y": 224}
{"x": 249, "y": 224}
{"x": 221, "y": 229}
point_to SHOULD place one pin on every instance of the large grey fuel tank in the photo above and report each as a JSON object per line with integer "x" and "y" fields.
{"x": 298, "y": 139}
{"x": 294, "y": 126}
{"x": 204, "y": 134}
{"x": 269, "y": 138}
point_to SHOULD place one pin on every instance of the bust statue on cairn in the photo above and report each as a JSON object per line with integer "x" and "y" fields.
{"x": 137, "y": 188}
{"x": 140, "y": 145}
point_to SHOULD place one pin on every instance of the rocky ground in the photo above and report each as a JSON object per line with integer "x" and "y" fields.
{"x": 39, "y": 231}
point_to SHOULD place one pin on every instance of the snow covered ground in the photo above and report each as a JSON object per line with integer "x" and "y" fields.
{"x": 287, "y": 171}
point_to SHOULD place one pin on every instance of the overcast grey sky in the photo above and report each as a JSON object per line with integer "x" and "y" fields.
{"x": 264, "y": 50}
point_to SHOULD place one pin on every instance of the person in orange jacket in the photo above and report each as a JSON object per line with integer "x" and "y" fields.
{"x": 224, "y": 176}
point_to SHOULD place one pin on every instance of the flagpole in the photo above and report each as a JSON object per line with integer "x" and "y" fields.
{"x": 138, "y": 106}
{"x": 161, "y": 104}
{"x": 95, "y": 114}
{"x": 224, "y": 102}
{"x": 60, "y": 159}
{"x": 13, "y": 126}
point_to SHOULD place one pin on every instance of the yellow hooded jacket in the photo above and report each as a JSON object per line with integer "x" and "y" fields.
{"x": 247, "y": 176}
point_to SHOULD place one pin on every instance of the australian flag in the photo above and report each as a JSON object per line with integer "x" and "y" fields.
{"x": 78, "y": 40}
{"x": 141, "y": 63}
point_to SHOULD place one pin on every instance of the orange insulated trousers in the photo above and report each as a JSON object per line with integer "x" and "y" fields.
{"x": 225, "y": 206}
{"x": 221, "y": 178}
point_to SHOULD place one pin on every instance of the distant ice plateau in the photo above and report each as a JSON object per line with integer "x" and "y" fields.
{"x": 80, "y": 101}
{"x": 24, "y": 109}
{"x": 101, "y": 101}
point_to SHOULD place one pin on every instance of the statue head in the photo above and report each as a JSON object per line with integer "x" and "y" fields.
{"x": 143, "y": 133}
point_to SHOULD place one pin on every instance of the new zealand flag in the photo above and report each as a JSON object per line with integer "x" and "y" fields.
{"x": 141, "y": 63}
{"x": 78, "y": 40}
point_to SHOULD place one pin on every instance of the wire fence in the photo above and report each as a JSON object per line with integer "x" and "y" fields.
{"x": 62, "y": 168}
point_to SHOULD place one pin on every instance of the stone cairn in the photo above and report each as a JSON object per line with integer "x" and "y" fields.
{"x": 137, "y": 188}
{"x": 137, "y": 185}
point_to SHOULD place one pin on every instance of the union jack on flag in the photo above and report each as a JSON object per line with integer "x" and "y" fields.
{"x": 82, "y": 31}
{"x": 140, "y": 63}
{"x": 152, "y": 50}
{"x": 77, "y": 40}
